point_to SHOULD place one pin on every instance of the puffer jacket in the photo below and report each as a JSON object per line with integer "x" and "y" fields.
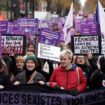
{"x": 71, "y": 79}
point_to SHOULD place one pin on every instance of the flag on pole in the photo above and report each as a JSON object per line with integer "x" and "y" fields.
{"x": 68, "y": 24}
{"x": 100, "y": 17}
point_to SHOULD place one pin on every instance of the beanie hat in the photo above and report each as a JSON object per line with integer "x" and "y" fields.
{"x": 33, "y": 58}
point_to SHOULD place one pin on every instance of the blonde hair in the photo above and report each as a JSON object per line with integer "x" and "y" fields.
{"x": 66, "y": 52}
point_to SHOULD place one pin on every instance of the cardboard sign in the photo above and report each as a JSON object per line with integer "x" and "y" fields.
{"x": 48, "y": 52}
{"x": 103, "y": 44}
{"x": 13, "y": 44}
{"x": 85, "y": 44}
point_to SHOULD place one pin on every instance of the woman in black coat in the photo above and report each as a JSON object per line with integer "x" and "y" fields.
{"x": 97, "y": 79}
{"x": 29, "y": 75}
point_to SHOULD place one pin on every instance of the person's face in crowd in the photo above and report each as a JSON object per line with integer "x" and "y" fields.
{"x": 55, "y": 27}
{"x": 65, "y": 61}
{"x": 30, "y": 65}
{"x": 31, "y": 48}
{"x": 102, "y": 64}
{"x": 80, "y": 60}
{"x": 19, "y": 64}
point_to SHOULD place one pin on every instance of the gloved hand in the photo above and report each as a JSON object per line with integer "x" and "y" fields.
{"x": 74, "y": 92}
{"x": 57, "y": 87}
{"x": 54, "y": 85}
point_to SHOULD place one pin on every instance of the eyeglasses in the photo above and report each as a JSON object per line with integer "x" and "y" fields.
{"x": 80, "y": 58}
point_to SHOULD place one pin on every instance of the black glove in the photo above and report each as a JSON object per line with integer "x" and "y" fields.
{"x": 57, "y": 87}
{"x": 74, "y": 92}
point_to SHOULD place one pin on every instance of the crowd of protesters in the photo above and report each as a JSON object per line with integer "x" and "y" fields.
{"x": 74, "y": 73}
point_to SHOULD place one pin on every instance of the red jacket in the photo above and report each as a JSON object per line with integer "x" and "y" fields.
{"x": 70, "y": 79}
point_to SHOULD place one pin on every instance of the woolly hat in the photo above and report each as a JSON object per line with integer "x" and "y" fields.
{"x": 33, "y": 58}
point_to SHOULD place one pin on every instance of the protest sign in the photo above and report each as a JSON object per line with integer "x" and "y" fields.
{"x": 86, "y": 26}
{"x": 3, "y": 26}
{"x": 103, "y": 44}
{"x": 48, "y": 52}
{"x": 85, "y": 44}
{"x": 13, "y": 44}
{"x": 28, "y": 25}
{"x": 41, "y": 95}
{"x": 49, "y": 37}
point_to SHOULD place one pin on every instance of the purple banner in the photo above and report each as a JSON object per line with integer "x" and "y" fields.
{"x": 9, "y": 29}
{"x": 61, "y": 37}
{"x": 49, "y": 37}
{"x": 3, "y": 26}
{"x": 28, "y": 25}
{"x": 15, "y": 29}
{"x": 78, "y": 24}
{"x": 42, "y": 95}
{"x": 86, "y": 26}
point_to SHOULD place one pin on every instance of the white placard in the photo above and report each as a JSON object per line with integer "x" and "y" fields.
{"x": 48, "y": 52}
{"x": 86, "y": 44}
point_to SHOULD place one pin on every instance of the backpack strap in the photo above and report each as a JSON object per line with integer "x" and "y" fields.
{"x": 32, "y": 77}
{"x": 78, "y": 75}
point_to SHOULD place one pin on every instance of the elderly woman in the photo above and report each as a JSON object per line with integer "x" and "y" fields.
{"x": 68, "y": 76}
{"x": 29, "y": 75}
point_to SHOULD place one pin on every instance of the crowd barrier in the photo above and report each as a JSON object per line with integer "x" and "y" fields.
{"x": 43, "y": 95}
